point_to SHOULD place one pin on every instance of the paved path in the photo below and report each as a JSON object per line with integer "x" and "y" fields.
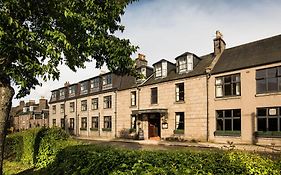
{"x": 165, "y": 145}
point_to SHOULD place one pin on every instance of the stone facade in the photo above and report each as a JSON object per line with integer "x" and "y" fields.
{"x": 209, "y": 98}
{"x": 248, "y": 102}
{"x": 30, "y": 115}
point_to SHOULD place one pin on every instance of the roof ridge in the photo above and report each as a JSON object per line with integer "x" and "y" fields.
{"x": 254, "y": 42}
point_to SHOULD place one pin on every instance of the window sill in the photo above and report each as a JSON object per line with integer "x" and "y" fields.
{"x": 227, "y": 133}
{"x": 94, "y": 129}
{"x": 179, "y": 102}
{"x": 94, "y": 109}
{"x": 227, "y": 98}
{"x": 179, "y": 131}
{"x": 267, "y": 94}
{"x": 156, "y": 104}
{"x": 83, "y": 129}
{"x": 106, "y": 129}
{"x": 133, "y": 106}
{"x": 268, "y": 134}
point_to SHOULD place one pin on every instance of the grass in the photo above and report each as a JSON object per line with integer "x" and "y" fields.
{"x": 15, "y": 167}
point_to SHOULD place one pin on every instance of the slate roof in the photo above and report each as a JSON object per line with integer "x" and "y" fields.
{"x": 172, "y": 75}
{"x": 253, "y": 54}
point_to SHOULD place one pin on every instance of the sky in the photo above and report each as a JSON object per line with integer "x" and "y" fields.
{"x": 168, "y": 28}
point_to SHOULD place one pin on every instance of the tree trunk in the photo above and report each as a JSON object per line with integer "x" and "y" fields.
{"x": 6, "y": 95}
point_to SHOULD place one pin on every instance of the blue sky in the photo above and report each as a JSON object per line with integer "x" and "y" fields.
{"x": 168, "y": 28}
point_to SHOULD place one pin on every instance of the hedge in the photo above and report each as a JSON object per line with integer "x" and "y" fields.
{"x": 91, "y": 159}
{"x": 37, "y": 147}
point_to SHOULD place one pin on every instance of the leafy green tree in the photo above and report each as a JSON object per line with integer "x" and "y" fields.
{"x": 38, "y": 35}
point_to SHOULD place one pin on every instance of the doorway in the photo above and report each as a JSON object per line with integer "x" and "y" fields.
{"x": 154, "y": 126}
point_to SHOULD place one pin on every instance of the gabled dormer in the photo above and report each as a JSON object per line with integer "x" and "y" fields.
{"x": 186, "y": 62}
{"x": 162, "y": 67}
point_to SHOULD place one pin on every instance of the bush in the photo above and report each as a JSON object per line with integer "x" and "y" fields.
{"x": 37, "y": 147}
{"x": 90, "y": 159}
{"x": 20, "y": 146}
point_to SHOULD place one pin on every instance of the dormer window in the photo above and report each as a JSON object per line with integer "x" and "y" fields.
{"x": 143, "y": 71}
{"x": 107, "y": 82}
{"x": 84, "y": 88}
{"x": 71, "y": 91}
{"x": 161, "y": 69}
{"x": 54, "y": 96}
{"x": 62, "y": 94}
{"x": 158, "y": 70}
{"x": 94, "y": 85}
{"x": 185, "y": 64}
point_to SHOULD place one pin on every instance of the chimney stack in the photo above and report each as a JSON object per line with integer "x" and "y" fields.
{"x": 140, "y": 61}
{"x": 42, "y": 103}
{"x": 66, "y": 84}
{"x": 219, "y": 44}
{"x": 22, "y": 103}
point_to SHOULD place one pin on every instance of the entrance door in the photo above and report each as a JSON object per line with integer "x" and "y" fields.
{"x": 154, "y": 126}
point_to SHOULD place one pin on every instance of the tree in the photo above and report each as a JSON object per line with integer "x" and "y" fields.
{"x": 38, "y": 35}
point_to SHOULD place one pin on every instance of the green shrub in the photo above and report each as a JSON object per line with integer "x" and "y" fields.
{"x": 92, "y": 159}
{"x": 20, "y": 146}
{"x": 36, "y": 147}
{"x": 51, "y": 141}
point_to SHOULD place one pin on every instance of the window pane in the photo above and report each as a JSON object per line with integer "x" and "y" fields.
{"x": 220, "y": 124}
{"x": 236, "y": 113}
{"x": 218, "y": 81}
{"x": 272, "y": 84}
{"x": 272, "y": 124}
{"x": 220, "y": 114}
{"x": 219, "y": 91}
{"x": 236, "y": 78}
{"x": 279, "y": 71}
{"x": 279, "y": 82}
{"x": 261, "y": 74}
{"x": 236, "y": 124}
{"x": 227, "y": 125}
{"x": 227, "y": 79}
{"x": 236, "y": 89}
{"x": 227, "y": 113}
{"x": 261, "y": 124}
{"x": 261, "y": 86}
{"x": 227, "y": 89}
{"x": 272, "y": 72}
{"x": 261, "y": 111}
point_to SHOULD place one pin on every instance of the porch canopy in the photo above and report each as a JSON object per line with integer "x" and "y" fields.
{"x": 149, "y": 111}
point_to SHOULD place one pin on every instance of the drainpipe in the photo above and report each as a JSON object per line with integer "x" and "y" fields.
{"x": 77, "y": 118}
{"x": 115, "y": 113}
{"x": 208, "y": 75}
{"x": 137, "y": 116}
{"x": 88, "y": 119}
{"x": 99, "y": 123}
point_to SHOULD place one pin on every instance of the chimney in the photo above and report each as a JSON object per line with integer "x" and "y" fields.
{"x": 22, "y": 103}
{"x": 31, "y": 102}
{"x": 66, "y": 84}
{"x": 42, "y": 103}
{"x": 219, "y": 44}
{"x": 140, "y": 61}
